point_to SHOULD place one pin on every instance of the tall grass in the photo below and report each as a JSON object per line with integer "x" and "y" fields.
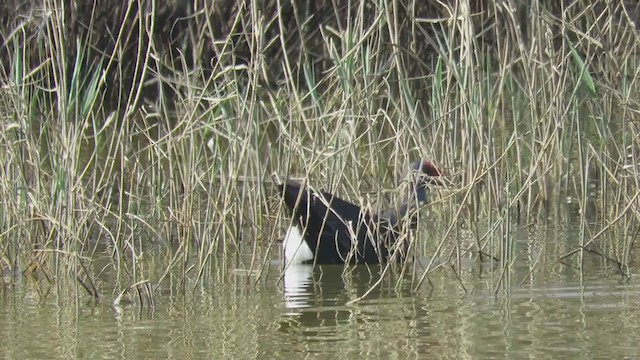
{"x": 524, "y": 108}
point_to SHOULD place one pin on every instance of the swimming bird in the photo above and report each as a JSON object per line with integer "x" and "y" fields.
{"x": 330, "y": 230}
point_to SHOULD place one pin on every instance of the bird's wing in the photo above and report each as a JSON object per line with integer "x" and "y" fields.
{"x": 326, "y": 216}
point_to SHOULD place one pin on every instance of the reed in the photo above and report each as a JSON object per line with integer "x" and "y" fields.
{"x": 146, "y": 144}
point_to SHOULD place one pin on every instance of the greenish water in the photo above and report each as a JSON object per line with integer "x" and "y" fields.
{"x": 552, "y": 311}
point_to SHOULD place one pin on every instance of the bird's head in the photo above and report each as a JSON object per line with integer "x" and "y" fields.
{"x": 425, "y": 173}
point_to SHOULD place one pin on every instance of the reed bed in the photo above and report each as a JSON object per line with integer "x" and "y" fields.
{"x": 160, "y": 134}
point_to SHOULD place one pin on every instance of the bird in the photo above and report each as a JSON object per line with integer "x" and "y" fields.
{"x": 326, "y": 229}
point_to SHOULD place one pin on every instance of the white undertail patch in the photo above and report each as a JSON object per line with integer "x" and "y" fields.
{"x": 296, "y": 249}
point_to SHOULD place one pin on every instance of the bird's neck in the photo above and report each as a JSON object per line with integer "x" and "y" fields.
{"x": 410, "y": 201}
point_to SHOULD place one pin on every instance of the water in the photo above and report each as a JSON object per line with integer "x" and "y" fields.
{"x": 552, "y": 311}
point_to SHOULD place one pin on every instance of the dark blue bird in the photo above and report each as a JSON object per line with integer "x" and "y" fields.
{"x": 329, "y": 230}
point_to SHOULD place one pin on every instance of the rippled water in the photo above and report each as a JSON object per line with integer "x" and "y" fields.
{"x": 554, "y": 311}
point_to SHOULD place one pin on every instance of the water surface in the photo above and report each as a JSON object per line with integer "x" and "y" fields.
{"x": 543, "y": 309}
